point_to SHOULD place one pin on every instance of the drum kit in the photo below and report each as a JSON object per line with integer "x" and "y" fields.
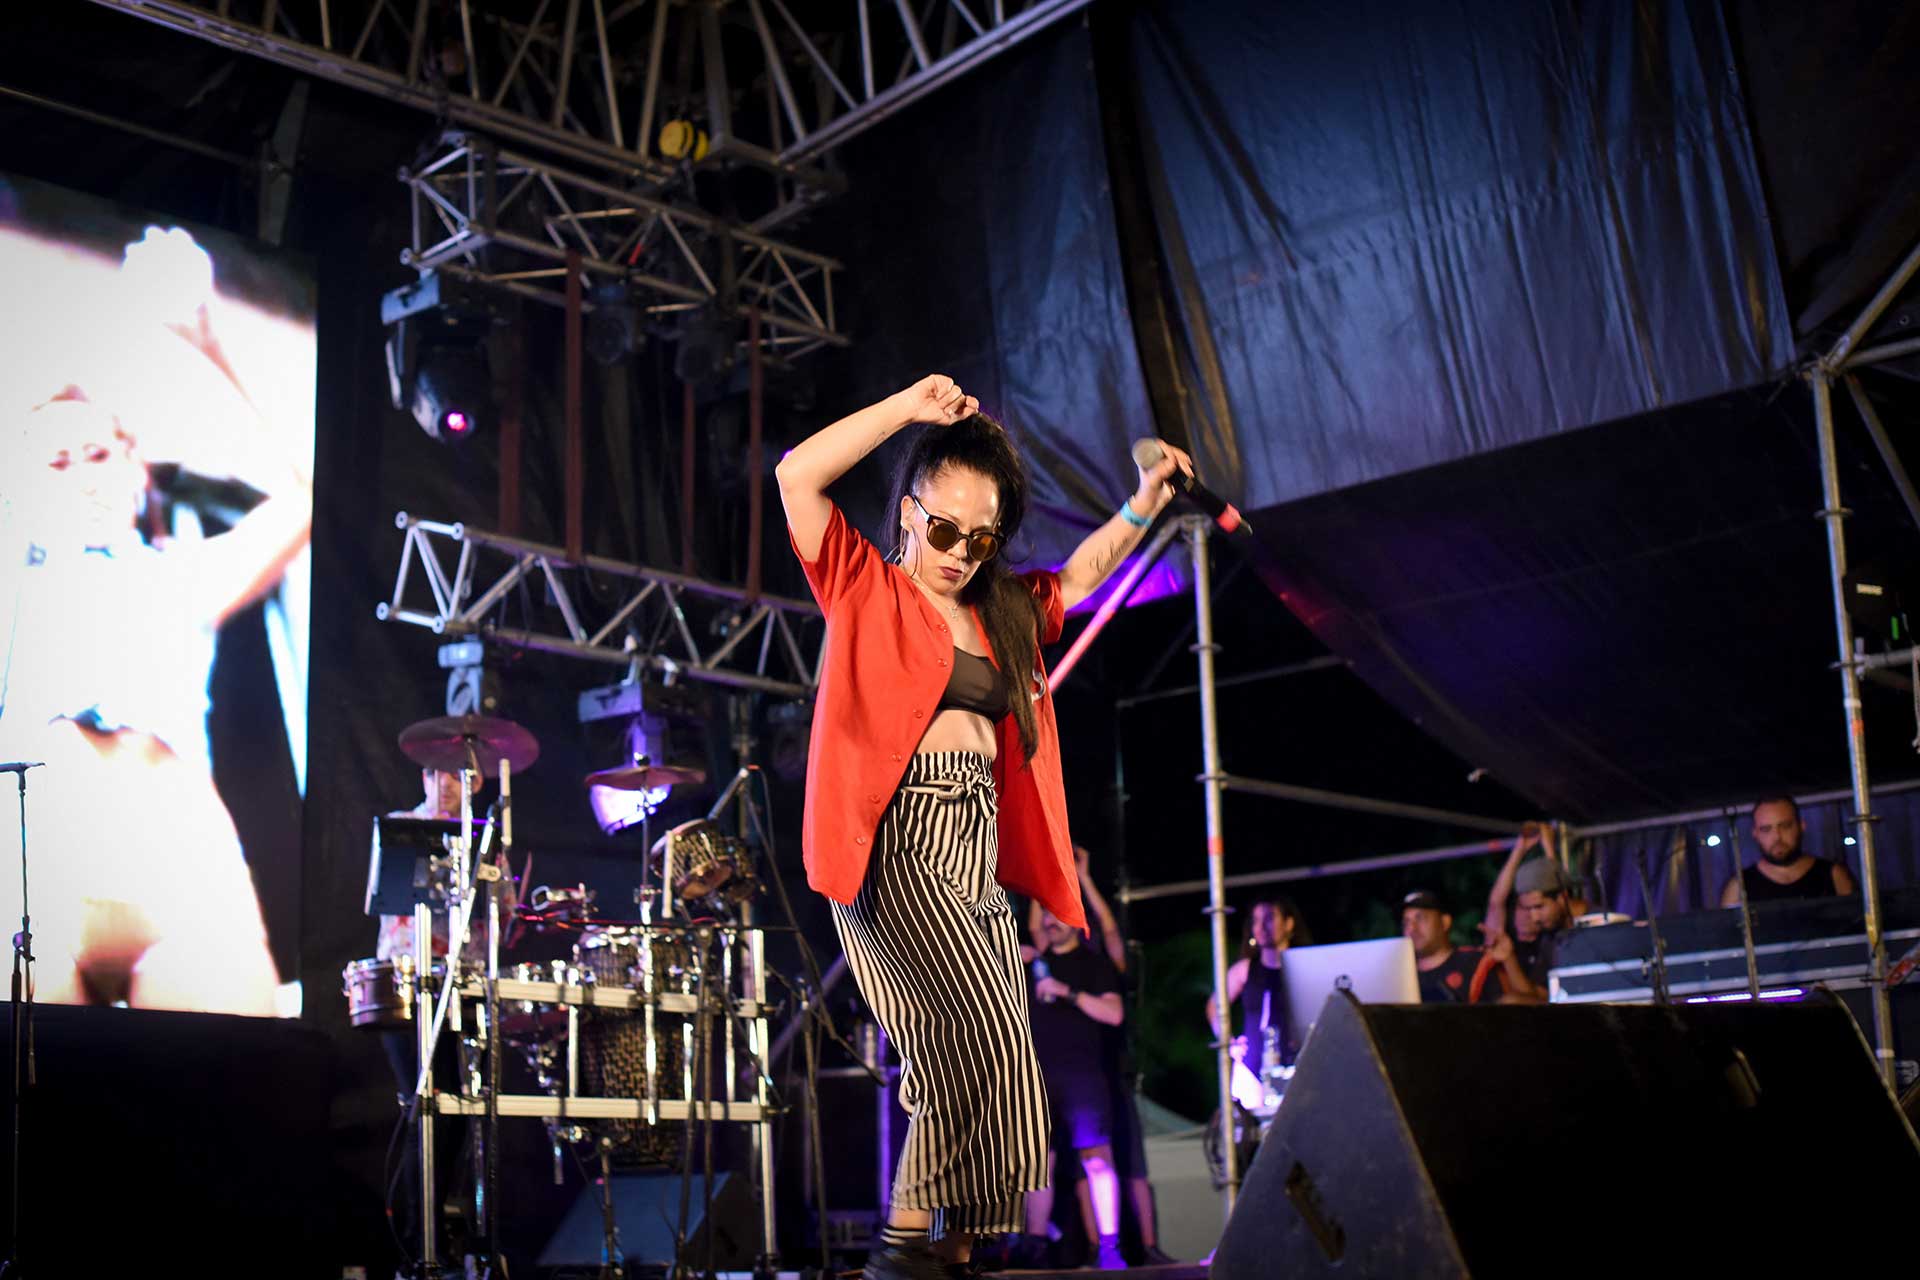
{"x": 652, "y": 1022}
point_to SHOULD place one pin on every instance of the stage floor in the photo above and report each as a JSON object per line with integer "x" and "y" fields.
{"x": 1170, "y": 1271}
{"x": 1167, "y": 1271}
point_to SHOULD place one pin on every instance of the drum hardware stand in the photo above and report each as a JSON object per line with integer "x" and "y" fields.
{"x": 1746, "y": 912}
{"x": 22, "y": 1004}
{"x": 749, "y": 817}
{"x": 698, "y": 1089}
{"x": 1657, "y": 965}
{"x": 460, "y": 903}
{"x": 612, "y": 1257}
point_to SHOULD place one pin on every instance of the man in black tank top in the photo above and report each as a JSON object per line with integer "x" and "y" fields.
{"x": 1785, "y": 871}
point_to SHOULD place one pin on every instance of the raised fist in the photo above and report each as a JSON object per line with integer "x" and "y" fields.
{"x": 938, "y": 399}
{"x": 169, "y": 278}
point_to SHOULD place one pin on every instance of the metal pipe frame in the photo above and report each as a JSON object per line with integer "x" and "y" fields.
{"x": 1367, "y": 804}
{"x": 672, "y": 606}
{"x": 1387, "y": 862}
{"x": 1888, "y": 456}
{"x": 1327, "y": 663}
{"x": 1213, "y": 782}
{"x": 1318, "y": 871}
{"x": 666, "y": 255}
{"x": 557, "y": 81}
{"x": 1719, "y": 814}
{"x": 1834, "y": 516}
{"x": 1820, "y": 379}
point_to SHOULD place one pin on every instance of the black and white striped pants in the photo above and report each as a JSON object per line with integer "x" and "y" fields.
{"x": 930, "y": 939}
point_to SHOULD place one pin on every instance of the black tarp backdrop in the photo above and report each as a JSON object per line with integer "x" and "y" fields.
{"x": 1417, "y": 233}
{"x": 1414, "y": 236}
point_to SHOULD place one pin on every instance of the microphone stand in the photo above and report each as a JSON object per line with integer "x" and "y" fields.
{"x": 1746, "y": 912}
{"x": 22, "y": 1005}
{"x": 1657, "y": 966}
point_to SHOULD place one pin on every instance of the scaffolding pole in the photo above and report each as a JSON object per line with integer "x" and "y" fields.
{"x": 1820, "y": 378}
{"x": 1834, "y": 516}
{"x": 1214, "y": 781}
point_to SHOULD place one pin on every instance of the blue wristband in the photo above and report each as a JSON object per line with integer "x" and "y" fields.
{"x": 1127, "y": 514}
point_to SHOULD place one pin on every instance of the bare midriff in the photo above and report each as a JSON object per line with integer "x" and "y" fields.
{"x": 956, "y": 730}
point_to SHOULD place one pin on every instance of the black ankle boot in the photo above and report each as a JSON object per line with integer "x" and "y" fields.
{"x": 904, "y": 1262}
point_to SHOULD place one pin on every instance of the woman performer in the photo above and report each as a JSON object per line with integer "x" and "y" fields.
{"x": 933, "y": 779}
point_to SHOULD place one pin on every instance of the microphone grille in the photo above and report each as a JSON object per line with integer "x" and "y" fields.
{"x": 1147, "y": 452}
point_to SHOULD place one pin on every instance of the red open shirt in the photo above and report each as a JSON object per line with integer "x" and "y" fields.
{"x": 888, "y": 657}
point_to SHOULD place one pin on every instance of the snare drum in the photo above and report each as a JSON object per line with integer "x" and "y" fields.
{"x": 379, "y": 992}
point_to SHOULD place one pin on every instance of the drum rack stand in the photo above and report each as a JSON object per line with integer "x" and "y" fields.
{"x": 746, "y": 1015}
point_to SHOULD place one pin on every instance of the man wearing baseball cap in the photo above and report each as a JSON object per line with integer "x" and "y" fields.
{"x": 1546, "y": 897}
{"x": 1445, "y": 971}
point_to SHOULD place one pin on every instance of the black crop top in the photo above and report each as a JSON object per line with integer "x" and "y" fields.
{"x": 976, "y": 685}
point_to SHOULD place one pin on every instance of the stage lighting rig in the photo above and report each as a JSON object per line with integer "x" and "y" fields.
{"x": 437, "y": 365}
{"x": 613, "y": 323}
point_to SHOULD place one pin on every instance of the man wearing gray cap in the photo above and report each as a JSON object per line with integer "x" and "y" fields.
{"x": 1546, "y": 898}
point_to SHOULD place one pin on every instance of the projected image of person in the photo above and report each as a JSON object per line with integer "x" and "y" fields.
{"x": 143, "y": 896}
{"x": 934, "y": 784}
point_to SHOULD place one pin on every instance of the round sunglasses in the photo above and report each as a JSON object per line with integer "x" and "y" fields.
{"x": 982, "y": 544}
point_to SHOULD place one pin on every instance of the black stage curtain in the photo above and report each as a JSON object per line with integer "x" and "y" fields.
{"x": 1629, "y": 620}
{"x": 1399, "y": 234}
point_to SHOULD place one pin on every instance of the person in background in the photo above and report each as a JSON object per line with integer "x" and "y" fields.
{"x": 1785, "y": 871}
{"x": 1446, "y": 971}
{"x": 1548, "y": 903}
{"x": 1254, "y": 979}
{"x": 1129, "y": 1139}
{"x": 1533, "y": 835}
{"x": 1076, "y": 996}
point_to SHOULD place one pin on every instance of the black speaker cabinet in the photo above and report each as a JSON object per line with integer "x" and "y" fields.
{"x": 1432, "y": 1140}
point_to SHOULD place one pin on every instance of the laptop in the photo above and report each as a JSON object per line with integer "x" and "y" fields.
{"x": 1377, "y": 971}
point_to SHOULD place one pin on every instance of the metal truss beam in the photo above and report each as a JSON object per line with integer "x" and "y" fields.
{"x": 945, "y": 39}
{"x": 565, "y": 99}
{"x": 510, "y": 220}
{"x": 692, "y": 629}
{"x": 588, "y": 80}
{"x": 400, "y": 51}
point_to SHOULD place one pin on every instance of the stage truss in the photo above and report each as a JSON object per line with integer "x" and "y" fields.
{"x": 555, "y": 113}
{"x": 513, "y": 221}
{"x": 761, "y": 643}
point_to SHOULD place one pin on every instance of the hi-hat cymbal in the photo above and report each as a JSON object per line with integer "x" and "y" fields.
{"x": 645, "y": 777}
{"x": 443, "y": 742}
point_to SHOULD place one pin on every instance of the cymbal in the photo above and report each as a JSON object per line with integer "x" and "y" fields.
{"x": 645, "y": 777}
{"x": 441, "y": 743}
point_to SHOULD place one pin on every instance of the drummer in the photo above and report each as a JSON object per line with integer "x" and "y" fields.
{"x": 441, "y": 803}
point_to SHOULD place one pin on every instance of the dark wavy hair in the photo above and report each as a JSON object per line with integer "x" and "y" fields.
{"x": 1007, "y": 608}
{"x": 1286, "y": 910}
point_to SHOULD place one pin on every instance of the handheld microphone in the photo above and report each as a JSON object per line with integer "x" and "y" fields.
{"x": 1040, "y": 974}
{"x": 1147, "y": 453}
{"x": 21, "y": 766}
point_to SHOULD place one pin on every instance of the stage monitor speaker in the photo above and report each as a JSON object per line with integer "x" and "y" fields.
{"x": 646, "y": 1210}
{"x": 1431, "y": 1140}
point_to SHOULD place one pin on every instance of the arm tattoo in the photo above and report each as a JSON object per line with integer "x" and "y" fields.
{"x": 1104, "y": 548}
